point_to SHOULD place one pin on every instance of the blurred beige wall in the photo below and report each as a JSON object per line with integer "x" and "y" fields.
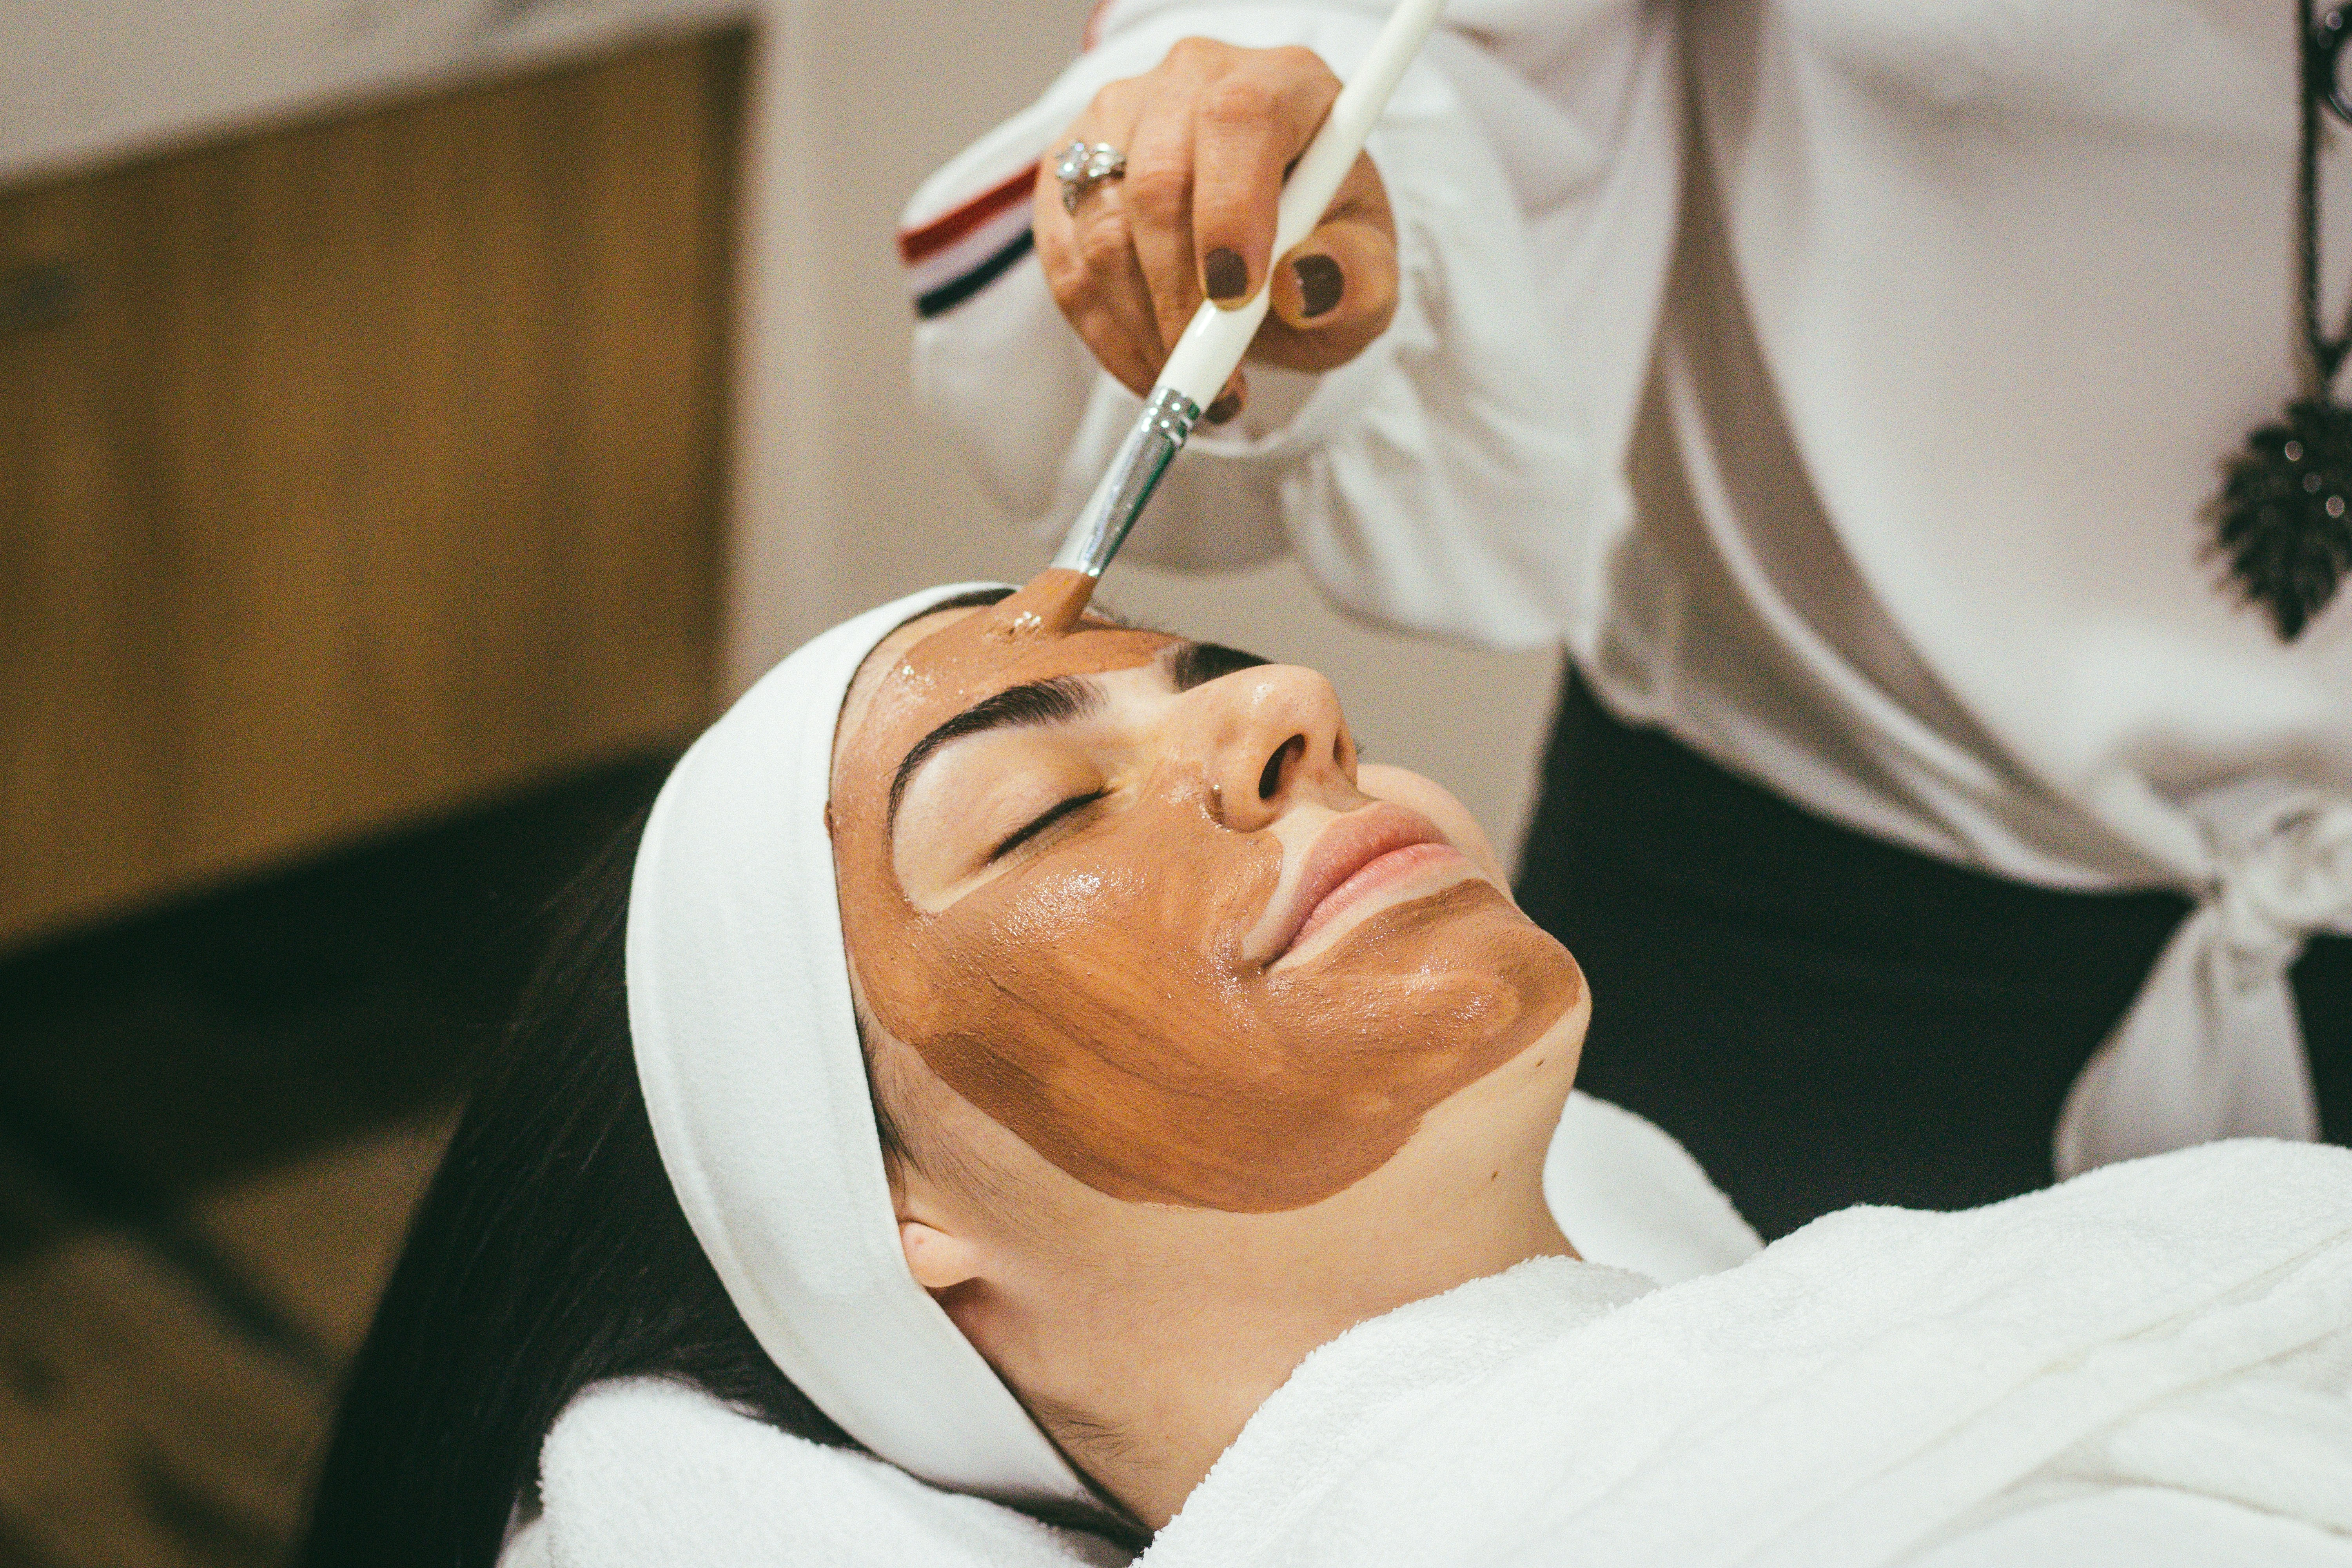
{"x": 846, "y": 497}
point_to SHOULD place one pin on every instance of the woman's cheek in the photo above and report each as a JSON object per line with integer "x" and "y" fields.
{"x": 1403, "y": 787}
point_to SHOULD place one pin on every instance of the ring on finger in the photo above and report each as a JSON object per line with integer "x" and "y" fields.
{"x": 1082, "y": 166}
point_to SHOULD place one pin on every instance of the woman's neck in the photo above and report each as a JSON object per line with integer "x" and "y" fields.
{"x": 1177, "y": 1364}
{"x": 1144, "y": 1336}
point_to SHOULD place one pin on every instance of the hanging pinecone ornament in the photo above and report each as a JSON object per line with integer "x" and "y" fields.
{"x": 2281, "y": 519}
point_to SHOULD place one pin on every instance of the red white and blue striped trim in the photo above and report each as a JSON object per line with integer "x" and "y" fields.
{"x": 958, "y": 254}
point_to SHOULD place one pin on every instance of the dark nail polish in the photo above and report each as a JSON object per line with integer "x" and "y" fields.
{"x": 1320, "y": 283}
{"x": 1224, "y": 274}
{"x": 1223, "y": 408}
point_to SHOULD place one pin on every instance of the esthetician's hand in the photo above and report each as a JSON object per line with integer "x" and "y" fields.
{"x": 1208, "y": 134}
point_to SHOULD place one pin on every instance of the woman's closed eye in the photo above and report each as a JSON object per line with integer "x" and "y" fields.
{"x": 1190, "y": 664}
{"x": 1050, "y": 817}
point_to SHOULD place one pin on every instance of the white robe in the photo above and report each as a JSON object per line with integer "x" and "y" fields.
{"x": 2149, "y": 1365}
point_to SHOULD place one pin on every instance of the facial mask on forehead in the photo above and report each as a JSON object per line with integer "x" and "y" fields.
{"x": 748, "y": 1052}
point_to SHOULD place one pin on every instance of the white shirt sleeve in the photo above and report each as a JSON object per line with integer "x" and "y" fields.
{"x": 1461, "y": 475}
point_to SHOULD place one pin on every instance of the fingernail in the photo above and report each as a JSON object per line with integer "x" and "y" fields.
{"x": 1223, "y": 408}
{"x": 1320, "y": 283}
{"x": 1225, "y": 273}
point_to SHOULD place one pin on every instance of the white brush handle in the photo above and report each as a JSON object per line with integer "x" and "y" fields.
{"x": 1213, "y": 343}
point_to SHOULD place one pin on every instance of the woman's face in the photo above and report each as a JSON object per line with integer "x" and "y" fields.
{"x": 1133, "y": 898}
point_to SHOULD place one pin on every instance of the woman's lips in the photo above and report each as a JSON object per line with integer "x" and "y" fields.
{"x": 1358, "y": 856}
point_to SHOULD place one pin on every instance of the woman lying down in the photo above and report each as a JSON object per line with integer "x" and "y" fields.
{"x": 1064, "y": 1104}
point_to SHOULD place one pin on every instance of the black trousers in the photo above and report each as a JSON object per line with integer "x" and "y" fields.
{"x": 1823, "y": 1019}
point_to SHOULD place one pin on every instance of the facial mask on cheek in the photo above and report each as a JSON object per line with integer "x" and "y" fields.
{"x": 1097, "y": 1005}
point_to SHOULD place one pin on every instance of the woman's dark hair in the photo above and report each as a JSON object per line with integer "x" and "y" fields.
{"x": 549, "y": 1252}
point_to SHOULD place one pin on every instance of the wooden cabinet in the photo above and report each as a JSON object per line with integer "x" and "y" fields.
{"x": 354, "y": 472}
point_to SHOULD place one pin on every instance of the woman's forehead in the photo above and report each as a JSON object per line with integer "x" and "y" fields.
{"x": 886, "y": 654}
{"x": 928, "y": 671}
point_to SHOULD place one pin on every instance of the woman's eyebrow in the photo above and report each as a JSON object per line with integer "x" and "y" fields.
{"x": 1198, "y": 663}
{"x": 1058, "y": 700}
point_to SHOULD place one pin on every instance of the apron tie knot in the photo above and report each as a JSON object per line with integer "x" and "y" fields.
{"x": 2212, "y": 1047}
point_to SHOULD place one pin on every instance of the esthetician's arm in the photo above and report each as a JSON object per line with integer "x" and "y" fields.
{"x": 1451, "y": 474}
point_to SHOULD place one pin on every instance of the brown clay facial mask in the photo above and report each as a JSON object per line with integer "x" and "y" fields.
{"x": 1104, "y": 988}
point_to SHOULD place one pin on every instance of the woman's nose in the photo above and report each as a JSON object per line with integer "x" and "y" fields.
{"x": 1268, "y": 736}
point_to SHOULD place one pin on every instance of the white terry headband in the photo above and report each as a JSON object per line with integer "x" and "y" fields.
{"x": 747, "y": 1048}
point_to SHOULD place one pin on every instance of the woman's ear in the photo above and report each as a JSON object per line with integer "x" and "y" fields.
{"x": 938, "y": 1260}
{"x": 939, "y": 1254}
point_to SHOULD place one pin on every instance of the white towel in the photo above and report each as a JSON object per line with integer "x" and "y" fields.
{"x": 755, "y": 1086}
{"x": 642, "y": 1461}
{"x": 1627, "y": 1194}
{"x": 2150, "y": 1363}
{"x": 642, "y": 1472}
{"x": 1877, "y": 1384}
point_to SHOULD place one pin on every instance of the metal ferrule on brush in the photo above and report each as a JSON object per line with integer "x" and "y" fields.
{"x": 1152, "y": 444}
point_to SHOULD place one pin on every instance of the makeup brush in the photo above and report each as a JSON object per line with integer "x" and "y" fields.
{"x": 1213, "y": 343}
